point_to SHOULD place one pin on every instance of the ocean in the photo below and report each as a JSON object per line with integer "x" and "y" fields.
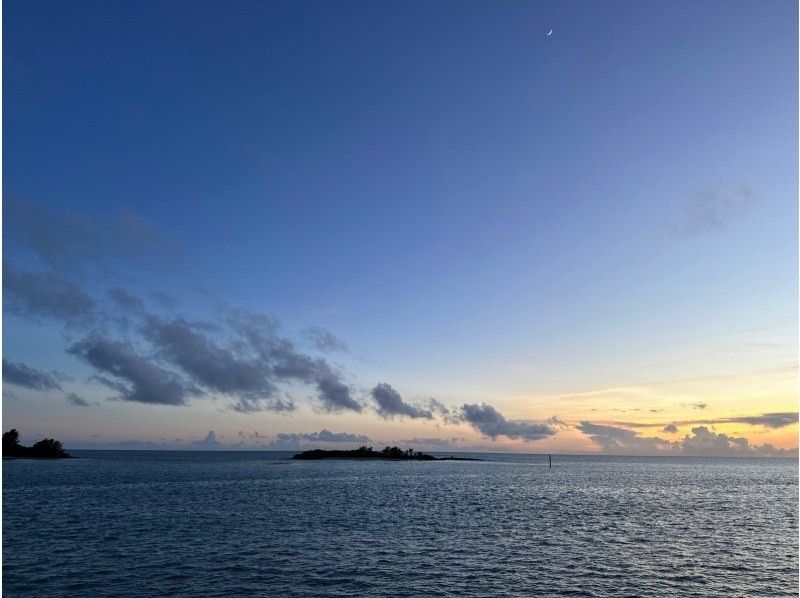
{"x": 153, "y": 523}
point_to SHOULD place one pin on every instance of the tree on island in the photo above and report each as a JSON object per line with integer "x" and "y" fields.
{"x": 10, "y": 442}
{"x": 44, "y": 449}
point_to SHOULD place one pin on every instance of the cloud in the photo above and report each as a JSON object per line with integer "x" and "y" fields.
{"x": 491, "y": 423}
{"x": 698, "y": 405}
{"x": 135, "y": 377}
{"x": 20, "y": 374}
{"x": 704, "y": 442}
{"x": 324, "y": 436}
{"x": 430, "y": 444}
{"x": 77, "y": 401}
{"x": 205, "y": 362}
{"x": 70, "y": 241}
{"x": 250, "y": 366}
{"x": 210, "y": 441}
{"x": 244, "y": 404}
{"x": 390, "y": 403}
{"x": 670, "y": 429}
{"x": 286, "y": 364}
{"x": 701, "y": 442}
{"x": 164, "y": 299}
{"x": 324, "y": 340}
{"x": 449, "y": 416}
{"x": 335, "y": 394}
{"x": 124, "y": 300}
{"x": 713, "y": 210}
{"x": 298, "y": 441}
{"x": 44, "y": 294}
{"x": 614, "y": 440}
{"x": 768, "y": 420}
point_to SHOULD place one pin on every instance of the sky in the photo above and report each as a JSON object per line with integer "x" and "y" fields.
{"x": 277, "y": 225}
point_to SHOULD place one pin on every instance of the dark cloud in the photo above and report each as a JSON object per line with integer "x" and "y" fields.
{"x": 449, "y": 416}
{"x": 335, "y": 394}
{"x": 390, "y": 403}
{"x": 701, "y": 442}
{"x": 205, "y": 362}
{"x": 71, "y": 241}
{"x": 250, "y": 366}
{"x": 77, "y": 401}
{"x": 670, "y": 429}
{"x": 286, "y": 364}
{"x": 241, "y": 356}
{"x": 125, "y": 301}
{"x": 698, "y": 405}
{"x": 491, "y": 423}
{"x": 135, "y": 377}
{"x": 713, "y": 210}
{"x": 20, "y": 374}
{"x": 324, "y": 340}
{"x": 768, "y": 420}
{"x": 44, "y": 294}
{"x": 244, "y": 404}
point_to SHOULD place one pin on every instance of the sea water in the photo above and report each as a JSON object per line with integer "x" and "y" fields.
{"x": 149, "y": 523}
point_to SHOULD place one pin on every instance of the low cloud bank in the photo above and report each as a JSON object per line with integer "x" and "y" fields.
{"x": 701, "y": 442}
{"x": 298, "y": 441}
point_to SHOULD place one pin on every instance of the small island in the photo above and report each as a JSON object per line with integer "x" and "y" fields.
{"x": 365, "y": 452}
{"x": 44, "y": 449}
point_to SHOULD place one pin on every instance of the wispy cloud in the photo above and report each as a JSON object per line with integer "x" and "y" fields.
{"x": 75, "y": 400}
{"x": 126, "y": 300}
{"x": 768, "y": 420}
{"x": 74, "y": 242}
{"x": 38, "y": 295}
{"x": 324, "y": 340}
{"x": 22, "y": 375}
{"x": 712, "y": 210}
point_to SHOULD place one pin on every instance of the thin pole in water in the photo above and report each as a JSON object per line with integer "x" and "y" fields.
{"x": 550, "y": 460}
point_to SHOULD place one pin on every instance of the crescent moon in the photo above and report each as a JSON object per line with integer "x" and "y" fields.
{"x": 549, "y": 33}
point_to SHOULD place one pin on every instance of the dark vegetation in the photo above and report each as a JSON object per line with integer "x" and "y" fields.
{"x": 366, "y": 452}
{"x": 44, "y": 449}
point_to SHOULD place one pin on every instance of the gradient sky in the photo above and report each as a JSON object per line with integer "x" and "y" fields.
{"x": 578, "y": 242}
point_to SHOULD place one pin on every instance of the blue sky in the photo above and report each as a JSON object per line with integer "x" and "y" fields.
{"x": 484, "y": 214}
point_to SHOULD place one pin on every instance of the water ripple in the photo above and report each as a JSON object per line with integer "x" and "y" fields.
{"x": 155, "y": 524}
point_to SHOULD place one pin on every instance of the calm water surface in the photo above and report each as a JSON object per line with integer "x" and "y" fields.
{"x": 237, "y": 524}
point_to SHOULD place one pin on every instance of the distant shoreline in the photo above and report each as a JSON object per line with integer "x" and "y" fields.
{"x": 366, "y": 453}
